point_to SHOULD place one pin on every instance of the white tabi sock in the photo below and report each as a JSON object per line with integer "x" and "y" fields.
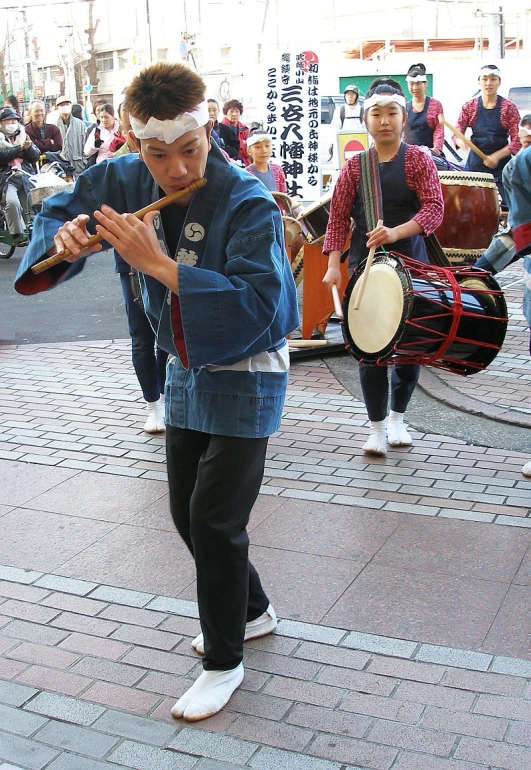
{"x": 262, "y": 626}
{"x": 209, "y": 693}
{"x": 397, "y": 432}
{"x": 155, "y": 417}
{"x": 375, "y": 444}
{"x": 526, "y": 470}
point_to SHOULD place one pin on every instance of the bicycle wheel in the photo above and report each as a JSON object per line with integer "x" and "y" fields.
{"x": 7, "y": 247}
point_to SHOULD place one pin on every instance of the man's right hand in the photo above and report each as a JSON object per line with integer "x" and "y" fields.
{"x": 73, "y": 236}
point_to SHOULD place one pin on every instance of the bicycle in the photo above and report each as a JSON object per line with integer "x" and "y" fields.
{"x": 34, "y": 199}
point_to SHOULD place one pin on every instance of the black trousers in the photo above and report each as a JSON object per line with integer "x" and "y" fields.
{"x": 375, "y": 388}
{"x": 214, "y": 482}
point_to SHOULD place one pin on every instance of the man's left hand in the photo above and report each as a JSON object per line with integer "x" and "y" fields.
{"x": 135, "y": 240}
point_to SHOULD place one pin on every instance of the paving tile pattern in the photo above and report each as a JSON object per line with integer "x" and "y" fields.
{"x": 303, "y": 704}
{"x": 504, "y": 384}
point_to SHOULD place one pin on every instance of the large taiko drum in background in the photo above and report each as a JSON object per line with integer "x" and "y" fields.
{"x": 471, "y": 214}
{"x": 412, "y": 313}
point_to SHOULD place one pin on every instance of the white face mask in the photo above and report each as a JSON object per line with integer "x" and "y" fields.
{"x": 11, "y": 128}
{"x": 65, "y": 109}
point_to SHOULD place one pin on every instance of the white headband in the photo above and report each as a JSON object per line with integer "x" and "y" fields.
{"x": 382, "y": 100}
{"x": 489, "y": 71}
{"x": 256, "y": 138}
{"x": 417, "y": 78}
{"x": 170, "y": 130}
{"x": 523, "y": 131}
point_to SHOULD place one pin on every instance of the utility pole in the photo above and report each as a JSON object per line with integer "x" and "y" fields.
{"x": 28, "y": 58}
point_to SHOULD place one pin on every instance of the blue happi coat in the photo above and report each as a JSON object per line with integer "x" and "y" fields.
{"x": 236, "y": 298}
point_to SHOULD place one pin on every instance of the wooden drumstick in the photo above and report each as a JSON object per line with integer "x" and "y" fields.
{"x": 455, "y": 131}
{"x": 337, "y": 302}
{"x": 365, "y": 275}
{"x": 307, "y": 343}
{"x": 46, "y": 264}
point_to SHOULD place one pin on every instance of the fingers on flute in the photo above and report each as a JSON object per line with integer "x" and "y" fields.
{"x": 72, "y": 236}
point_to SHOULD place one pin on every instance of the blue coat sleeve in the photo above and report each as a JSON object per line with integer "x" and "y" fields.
{"x": 521, "y": 202}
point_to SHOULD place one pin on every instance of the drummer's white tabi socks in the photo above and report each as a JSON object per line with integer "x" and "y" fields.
{"x": 526, "y": 470}
{"x": 376, "y": 443}
{"x": 209, "y": 693}
{"x": 397, "y": 432}
{"x": 262, "y": 626}
{"x": 155, "y": 417}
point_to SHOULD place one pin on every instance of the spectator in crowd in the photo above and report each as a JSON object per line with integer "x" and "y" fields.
{"x": 103, "y": 141}
{"x": 260, "y": 150}
{"x": 45, "y": 136}
{"x": 12, "y": 101}
{"x": 73, "y": 134}
{"x": 232, "y": 111}
{"x": 17, "y": 154}
{"x": 77, "y": 112}
{"x": 228, "y": 136}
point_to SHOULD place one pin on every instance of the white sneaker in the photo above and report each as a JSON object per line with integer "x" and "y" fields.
{"x": 155, "y": 417}
{"x": 263, "y": 625}
{"x": 526, "y": 470}
{"x": 397, "y": 432}
{"x": 375, "y": 444}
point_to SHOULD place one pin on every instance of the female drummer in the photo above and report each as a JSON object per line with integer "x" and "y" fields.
{"x": 423, "y": 127}
{"x": 494, "y": 121}
{"x": 412, "y": 206}
{"x": 260, "y": 150}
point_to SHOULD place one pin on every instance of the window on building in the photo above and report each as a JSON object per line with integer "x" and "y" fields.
{"x": 124, "y": 58}
{"x": 105, "y": 61}
{"x": 225, "y": 54}
{"x": 162, "y": 54}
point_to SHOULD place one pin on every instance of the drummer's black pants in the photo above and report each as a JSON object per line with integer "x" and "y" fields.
{"x": 375, "y": 387}
{"x": 214, "y": 482}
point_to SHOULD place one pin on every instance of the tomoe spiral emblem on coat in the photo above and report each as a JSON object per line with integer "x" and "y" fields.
{"x": 194, "y": 231}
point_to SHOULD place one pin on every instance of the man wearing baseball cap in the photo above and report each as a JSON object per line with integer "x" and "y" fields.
{"x": 73, "y": 133}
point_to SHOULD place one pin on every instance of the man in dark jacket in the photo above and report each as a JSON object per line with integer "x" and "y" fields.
{"x": 45, "y": 136}
{"x": 17, "y": 154}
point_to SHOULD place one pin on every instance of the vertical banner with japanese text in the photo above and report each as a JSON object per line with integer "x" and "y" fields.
{"x": 292, "y": 119}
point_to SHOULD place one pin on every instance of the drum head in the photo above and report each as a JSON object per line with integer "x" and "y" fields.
{"x": 376, "y": 324}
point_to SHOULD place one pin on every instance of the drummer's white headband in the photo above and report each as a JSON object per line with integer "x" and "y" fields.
{"x": 417, "y": 78}
{"x": 523, "y": 131}
{"x": 489, "y": 71}
{"x": 383, "y": 100}
{"x": 170, "y": 130}
{"x": 256, "y": 139}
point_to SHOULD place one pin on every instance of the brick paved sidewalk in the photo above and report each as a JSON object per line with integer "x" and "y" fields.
{"x": 402, "y": 584}
{"x": 89, "y": 674}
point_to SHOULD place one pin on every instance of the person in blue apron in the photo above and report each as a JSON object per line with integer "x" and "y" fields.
{"x": 218, "y": 289}
{"x": 494, "y": 121}
{"x": 423, "y": 127}
{"x": 413, "y": 206}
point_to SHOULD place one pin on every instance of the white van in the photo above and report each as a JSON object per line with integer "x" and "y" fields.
{"x": 521, "y": 96}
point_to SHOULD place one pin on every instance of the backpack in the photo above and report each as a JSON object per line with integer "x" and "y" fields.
{"x": 342, "y": 114}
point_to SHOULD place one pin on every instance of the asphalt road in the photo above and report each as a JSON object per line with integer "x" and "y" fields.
{"x": 89, "y": 307}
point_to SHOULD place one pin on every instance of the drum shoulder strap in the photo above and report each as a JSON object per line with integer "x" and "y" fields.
{"x": 370, "y": 187}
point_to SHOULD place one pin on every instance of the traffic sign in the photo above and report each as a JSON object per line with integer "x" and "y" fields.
{"x": 183, "y": 48}
{"x": 88, "y": 88}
